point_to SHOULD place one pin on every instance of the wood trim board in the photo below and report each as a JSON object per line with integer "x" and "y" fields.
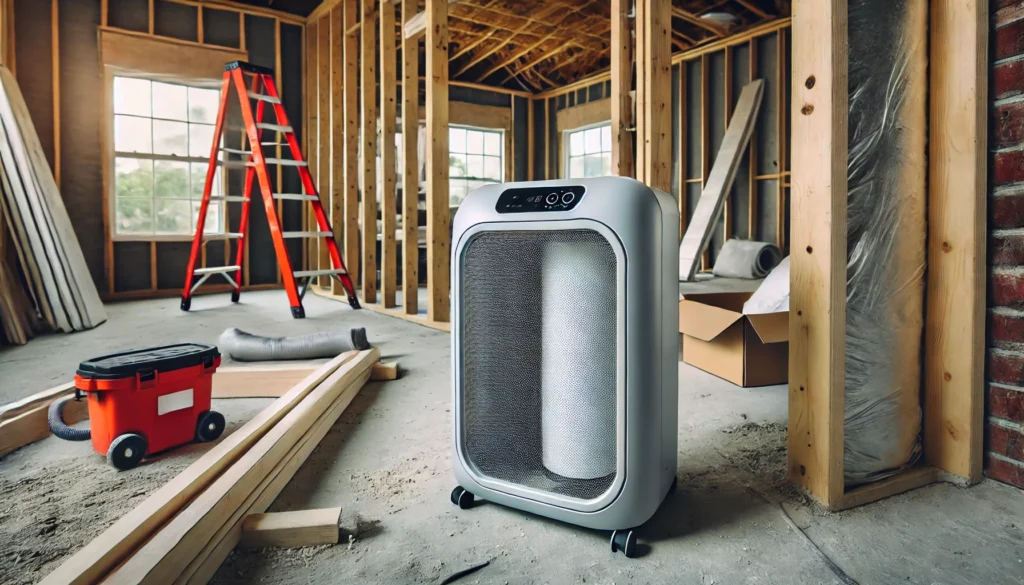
{"x": 292, "y": 529}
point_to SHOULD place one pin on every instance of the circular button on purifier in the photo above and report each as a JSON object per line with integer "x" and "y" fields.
{"x": 551, "y": 199}
{"x": 568, "y": 197}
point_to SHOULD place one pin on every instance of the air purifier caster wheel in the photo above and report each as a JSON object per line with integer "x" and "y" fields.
{"x": 624, "y": 540}
{"x": 672, "y": 488}
{"x": 462, "y": 498}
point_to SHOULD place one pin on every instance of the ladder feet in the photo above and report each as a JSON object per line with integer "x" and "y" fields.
{"x": 354, "y": 302}
{"x": 186, "y": 303}
{"x": 234, "y": 295}
{"x": 298, "y": 312}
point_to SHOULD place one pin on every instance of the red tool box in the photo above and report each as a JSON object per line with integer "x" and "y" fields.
{"x": 148, "y": 400}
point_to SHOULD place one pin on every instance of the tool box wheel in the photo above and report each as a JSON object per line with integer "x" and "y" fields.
{"x": 186, "y": 304}
{"x": 209, "y": 426}
{"x": 126, "y": 451}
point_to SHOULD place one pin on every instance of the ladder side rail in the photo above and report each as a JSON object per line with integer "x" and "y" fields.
{"x": 243, "y": 223}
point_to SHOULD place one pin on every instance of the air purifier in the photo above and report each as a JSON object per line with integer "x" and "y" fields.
{"x": 565, "y": 303}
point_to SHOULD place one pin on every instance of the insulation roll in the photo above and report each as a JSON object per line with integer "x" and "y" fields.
{"x": 746, "y": 259}
{"x": 246, "y": 347}
{"x": 578, "y": 377}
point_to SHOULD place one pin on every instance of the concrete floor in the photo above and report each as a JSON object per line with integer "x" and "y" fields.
{"x": 386, "y": 463}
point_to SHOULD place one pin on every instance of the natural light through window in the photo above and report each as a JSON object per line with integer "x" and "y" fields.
{"x": 590, "y": 152}
{"x": 162, "y": 138}
{"x": 475, "y": 159}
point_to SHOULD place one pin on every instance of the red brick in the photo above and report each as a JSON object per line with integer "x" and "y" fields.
{"x": 1008, "y": 167}
{"x": 1008, "y": 124}
{"x": 1007, "y": 211}
{"x": 1006, "y": 404}
{"x": 1005, "y": 327}
{"x": 997, "y": 4}
{"x": 1009, "y": 40}
{"x": 1006, "y": 249}
{"x": 1006, "y": 442}
{"x": 1006, "y": 289}
{"x": 1004, "y": 471}
{"x": 1008, "y": 79}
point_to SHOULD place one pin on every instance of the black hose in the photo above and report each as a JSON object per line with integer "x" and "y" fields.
{"x": 57, "y": 426}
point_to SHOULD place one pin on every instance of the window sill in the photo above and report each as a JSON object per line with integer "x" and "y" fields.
{"x": 152, "y": 238}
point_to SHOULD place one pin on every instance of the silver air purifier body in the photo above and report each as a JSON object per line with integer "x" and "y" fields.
{"x": 565, "y": 303}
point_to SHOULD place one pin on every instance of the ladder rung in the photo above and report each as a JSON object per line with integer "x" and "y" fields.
{"x": 228, "y": 198}
{"x": 234, "y": 164}
{"x": 285, "y": 162}
{"x": 266, "y": 98}
{"x": 305, "y": 273}
{"x": 273, "y": 127}
{"x": 235, "y": 150}
{"x": 295, "y": 197}
{"x": 306, "y": 234}
{"x": 223, "y": 236}
{"x": 216, "y": 270}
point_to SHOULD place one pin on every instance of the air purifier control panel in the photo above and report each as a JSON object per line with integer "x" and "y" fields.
{"x": 534, "y": 199}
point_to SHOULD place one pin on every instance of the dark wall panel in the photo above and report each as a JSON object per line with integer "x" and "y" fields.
{"x": 767, "y": 121}
{"x": 553, "y": 145}
{"x": 716, "y": 131}
{"x": 179, "y": 21}
{"x": 458, "y": 93}
{"x": 135, "y": 260}
{"x": 81, "y": 163}
{"x": 171, "y": 264}
{"x": 220, "y": 27}
{"x": 35, "y": 66}
{"x": 539, "y": 140}
{"x": 693, "y": 119}
{"x": 129, "y": 14}
{"x": 740, "y": 195}
{"x": 291, "y": 93}
{"x": 259, "y": 37}
{"x": 520, "y": 138}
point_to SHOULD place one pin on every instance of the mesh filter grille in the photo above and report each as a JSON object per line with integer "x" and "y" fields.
{"x": 539, "y": 314}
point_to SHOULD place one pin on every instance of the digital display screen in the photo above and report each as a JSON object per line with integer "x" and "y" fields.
{"x": 537, "y": 199}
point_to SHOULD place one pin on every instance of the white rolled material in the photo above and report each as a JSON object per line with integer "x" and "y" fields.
{"x": 578, "y": 370}
{"x": 246, "y": 347}
{"x": 746, "y": 259}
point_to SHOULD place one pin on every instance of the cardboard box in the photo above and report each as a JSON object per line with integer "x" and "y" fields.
{"x": 747, "y": 350}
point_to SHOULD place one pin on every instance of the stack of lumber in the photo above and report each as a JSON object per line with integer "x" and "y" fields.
{"x": 56, "y": 287}
{"x": 25, "y": 421}
{"x": 184, "y": 531}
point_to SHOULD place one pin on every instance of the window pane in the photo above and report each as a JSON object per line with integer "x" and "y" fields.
{"x": 134, "y": 216}
{"x": 592, "y": 141}
{"x": 170, "y": 138}
{"x": 202, "y": 105}
{"x": 492, "y": 143}
{"x": 133, "y": 177}
{"x": 457, "y": 166}
{"x": 457, "y": 190}
{"x": 171, "y": 180}
{"x": 474, "y": 142}
{"x": 592, "y": 165}
{"x": 173, "y": 216}
{"x": 492, "y": 168}
{"x": 457, "y": 140}
{"x": 214, "y": 218}
{"x": 200, "y": 139}
{"x": 576, "y": 167}
{"x": 133, "y": 134}
{"x": 575, "y": 143}
{"x": 606, "y": 138}
{"x": 198, "y": 181}
{"x": 169, "y": 101}
{"x": 606, "y": 164}
{"x": 131, "y": 96}
{"x": 476, "y": 166}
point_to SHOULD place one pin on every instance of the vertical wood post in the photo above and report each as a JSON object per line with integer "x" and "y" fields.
{"x": 654, "y": 89}
{"x": 368, "y": 69}
{"x": 817, "y": 323}
{"x": 312, "y": 129}
{"x": 622, "y": 104}
{"x": 337, "y": 205}
{"x": 410, "y": 165}
{"x": 388, "y": 88}
{"x": 438, "y": 214}
{"x": 350, "y": 106}
{"x": 324, "y": 160}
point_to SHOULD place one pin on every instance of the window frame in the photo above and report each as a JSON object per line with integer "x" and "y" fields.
{"x": 502, "y": 161}
{"x": 567, "y": 154}
{"x": 113, "y": 155}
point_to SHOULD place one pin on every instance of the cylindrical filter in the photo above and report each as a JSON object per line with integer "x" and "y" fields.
{"x": 578, "y": 364}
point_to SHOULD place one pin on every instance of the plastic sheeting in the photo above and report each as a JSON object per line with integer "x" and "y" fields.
{"x": 885, "y": 242}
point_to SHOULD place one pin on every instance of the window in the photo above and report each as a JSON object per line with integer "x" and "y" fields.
{"x": 590, "y": 152}
{"x": 475, "y": 159}
{"x": 162, "y": 138}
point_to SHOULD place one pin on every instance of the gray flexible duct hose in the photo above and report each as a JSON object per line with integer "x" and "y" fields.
{"x": 54, "y": 415}
{"x": 746, "y": 259}
{"x": 246, "y": 347}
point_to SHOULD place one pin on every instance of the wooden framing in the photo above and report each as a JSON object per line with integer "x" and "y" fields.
{"x": 368, "y": 70}
{"x": 622, "y": 103}
{"x": 337, "y": 116}
{"x": 438, "y": 212}
{"x": 323, "y": 172}
{"x": 350, "y": 101}
{"x": 410, "y": 165}
{"x": 291, "y": 529}
{"x": 389, "y": 224}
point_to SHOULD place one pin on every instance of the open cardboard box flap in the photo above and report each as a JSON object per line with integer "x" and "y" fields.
{"x": 705, "y": 322}
{"x": 771, "y": 327}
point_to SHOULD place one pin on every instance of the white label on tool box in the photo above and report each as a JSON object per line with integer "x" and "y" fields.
{"x": 175, "y": 401}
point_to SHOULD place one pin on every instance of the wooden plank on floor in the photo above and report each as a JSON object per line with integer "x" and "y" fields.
{"x": 13, "y": 409}
{"x": 388, "y": 216}
{"x": 410, "y": 165}
{"x": 292, "y": 529}
{"x": 817, "y": 324}
{"x": 955, "y": 315}
{"x": 259, "y": 381}
{"x": 904, "y": 482}
{"x": 33, "y": 425}
{"x": 438, "y": 212}
{"x": 719, "y": 183}
{"x": 368, "y": 70}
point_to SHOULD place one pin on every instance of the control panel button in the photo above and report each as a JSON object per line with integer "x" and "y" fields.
{"x": 568, "y": 197}
{"x": 540, "y": 199}
{"x": 551, "y": 199}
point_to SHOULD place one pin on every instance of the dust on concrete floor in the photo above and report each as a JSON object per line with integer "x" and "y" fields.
{"x": 386, "y": 463}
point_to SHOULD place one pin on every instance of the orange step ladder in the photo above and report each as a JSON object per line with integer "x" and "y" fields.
{"x": 262, "y": 90}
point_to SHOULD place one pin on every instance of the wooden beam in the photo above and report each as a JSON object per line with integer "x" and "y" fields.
{"x": 530, "y": 64}
{"x": 324, "y": 158}
{"x": 817, "y": 325}
{"x": 954, "y": 361}
{"x": 244, "y": 8}
{"x": 384, "y": 371}
{"x": 55, "y": 83}
{"x": 368, "y": 68}
{"x": 704, "y": 23}
{"x": 259, "y": 381}
{"x": 622, "y": 81}
{"x": 33, "y": 425}
{"x": 485, "y": 54}
{"x": 101, "y": 555}
{"x": 350, "y": 99}
{"x": 292, "y": 529}
{"x": 388, "y": 106}
{"x": 44, "y": 398}
{"x": 753, "y": 8}
{"x": 410, "y": 165}
{"x": 415, "y": 27}
{"x": 654, "y": 60}
{"x": 462, "y": 51}
{"x": 438, "y": 211}
{"x": 337, "y": 107}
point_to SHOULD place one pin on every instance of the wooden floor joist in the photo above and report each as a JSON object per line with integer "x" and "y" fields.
{"x": 33, "y": 425}
{"x": 291, "y": 529}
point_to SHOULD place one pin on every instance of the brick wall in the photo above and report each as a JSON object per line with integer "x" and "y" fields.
{"x": 1004, "y": 396}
